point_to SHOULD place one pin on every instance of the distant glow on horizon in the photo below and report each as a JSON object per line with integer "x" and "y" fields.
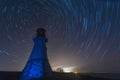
{"x": 65, "y": 69}
{"x": 68, "y": 69}
{"x": 75, "y": 72}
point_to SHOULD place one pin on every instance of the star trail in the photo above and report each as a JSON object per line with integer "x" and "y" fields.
{"x": 84, "y": 34}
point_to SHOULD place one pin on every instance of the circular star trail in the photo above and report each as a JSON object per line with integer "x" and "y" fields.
{"x": 84, "y": 34}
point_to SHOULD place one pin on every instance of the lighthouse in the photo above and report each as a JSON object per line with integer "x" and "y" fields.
{"x": 37, "y": 65}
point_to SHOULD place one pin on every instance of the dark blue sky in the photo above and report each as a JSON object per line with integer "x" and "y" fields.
{"x": 82, "y": 34}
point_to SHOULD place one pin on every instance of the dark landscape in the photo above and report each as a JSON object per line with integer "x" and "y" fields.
{"x": 55, "y": 76}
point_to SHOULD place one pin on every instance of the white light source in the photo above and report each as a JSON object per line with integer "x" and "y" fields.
{"x": 67, "y": 71}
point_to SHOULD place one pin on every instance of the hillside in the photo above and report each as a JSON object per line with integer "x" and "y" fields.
{"x": 55, "y": 76}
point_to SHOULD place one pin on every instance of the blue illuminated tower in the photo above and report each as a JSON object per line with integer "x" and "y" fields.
{"x": 37, "y": 66}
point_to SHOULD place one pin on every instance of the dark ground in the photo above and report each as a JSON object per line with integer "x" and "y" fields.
{"x": 55, "y": 76}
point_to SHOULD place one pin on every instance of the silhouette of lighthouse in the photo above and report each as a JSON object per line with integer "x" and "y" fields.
{"x": 37, "y": 66}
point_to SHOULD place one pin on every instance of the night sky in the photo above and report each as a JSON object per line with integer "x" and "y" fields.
{"x": 83, "y": 35}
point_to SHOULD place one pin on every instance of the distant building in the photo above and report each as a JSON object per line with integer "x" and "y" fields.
{"x": 38, "y": 65}
{"x": 59, "y": 69}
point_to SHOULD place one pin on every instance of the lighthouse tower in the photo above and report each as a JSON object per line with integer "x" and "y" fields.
{"x": 37, "y": 65}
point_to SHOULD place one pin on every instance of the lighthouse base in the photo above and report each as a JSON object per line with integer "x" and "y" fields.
{"x": 34, "y": 70}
